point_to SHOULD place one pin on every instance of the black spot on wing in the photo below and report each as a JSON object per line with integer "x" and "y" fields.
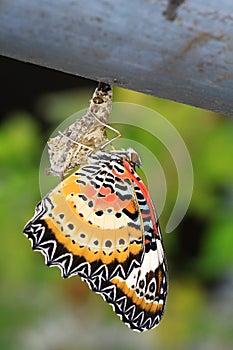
{"x": 132, "y": 215}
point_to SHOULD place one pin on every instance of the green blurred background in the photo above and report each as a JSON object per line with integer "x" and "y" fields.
{"x": 41, "y": 311}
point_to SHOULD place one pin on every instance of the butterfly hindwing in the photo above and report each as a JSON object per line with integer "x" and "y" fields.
{"x": 140, "y": 299}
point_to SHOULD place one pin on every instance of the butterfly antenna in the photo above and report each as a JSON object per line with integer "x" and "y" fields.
{"x": 118, "y": 134}
{"x": 73, "y": 141}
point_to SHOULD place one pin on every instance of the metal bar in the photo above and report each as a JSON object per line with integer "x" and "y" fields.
{"x": 129, "y": 44}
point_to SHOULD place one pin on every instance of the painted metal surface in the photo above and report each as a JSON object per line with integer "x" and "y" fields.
{"x": 129, "y": 44}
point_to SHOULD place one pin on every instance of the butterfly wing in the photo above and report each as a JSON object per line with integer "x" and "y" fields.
{"x": 90, "y": 224}
{"x": 100, "y": 224}
{"x": 140, "y": 299}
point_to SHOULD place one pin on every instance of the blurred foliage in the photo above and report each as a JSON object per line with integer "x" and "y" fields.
{"x": 39, "y": 310}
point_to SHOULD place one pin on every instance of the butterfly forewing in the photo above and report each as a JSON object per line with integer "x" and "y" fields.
{"x": 90, "y": 223}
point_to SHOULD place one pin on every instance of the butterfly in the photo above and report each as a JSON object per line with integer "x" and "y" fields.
{"x": 100, "y": 224}
{"x": 70, "y": 148}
